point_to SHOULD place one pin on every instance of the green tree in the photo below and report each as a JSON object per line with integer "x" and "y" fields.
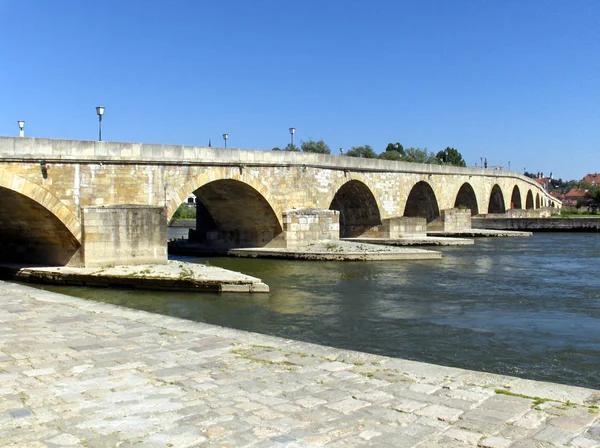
{"x": 185, "y": 211}
{"x": 391, "y": 155}
{"x": 592, "y": 197}
{"x": 419, "y": 155}
{"x": 365, "y": 152}
{"x": 395, "y": 147}
{"x": 318, "y": 147}
{"x": 450, "y": 156}
{"x": 289, "y": 147}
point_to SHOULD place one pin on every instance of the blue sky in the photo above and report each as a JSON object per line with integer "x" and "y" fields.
{"x": 509, "y": 80}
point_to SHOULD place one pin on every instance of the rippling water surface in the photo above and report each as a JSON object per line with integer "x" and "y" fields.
{"x": 528, "y": 307}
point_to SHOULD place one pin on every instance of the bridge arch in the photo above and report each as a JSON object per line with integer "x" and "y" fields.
{"x": 36, "y": 226}
{"x": 466, "y": 198}
{"x": 529, "y": 200}
{"x": 537, "y": 200}
{"x": 515, "y": 199}
{"x": 233, "y": 209}
{"x": 358, "y": 209}
{"x": 422, "y": 202}
{"x": 44, "y": 198}
{"x": 496, "y": 204}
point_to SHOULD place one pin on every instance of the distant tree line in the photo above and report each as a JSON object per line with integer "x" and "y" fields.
{"x": 393, "y": 151}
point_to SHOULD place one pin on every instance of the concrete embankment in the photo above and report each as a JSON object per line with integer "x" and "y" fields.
{"x": 538, "y": 224}
{"x": 173, "y": 276}
{"x": 80, "y": 373}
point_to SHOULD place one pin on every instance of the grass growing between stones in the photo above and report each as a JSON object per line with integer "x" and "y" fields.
{"x": 536, "y": 400}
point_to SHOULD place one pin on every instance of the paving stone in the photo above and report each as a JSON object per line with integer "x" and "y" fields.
{"x": 438, "y": 412}
{"x": 494, "y": 442}
{"x": 463, "y": 435}
{"x": 580, "y": 441}
{"x": 555, "y": 435}
{"x": 83, "y": 373}
{"x": 347, "y": 405}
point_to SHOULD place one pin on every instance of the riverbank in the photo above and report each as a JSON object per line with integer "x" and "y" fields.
{"x": 579, "y": 224}
{"x": 80, "y": 373}
{"x": 173, "y": 276}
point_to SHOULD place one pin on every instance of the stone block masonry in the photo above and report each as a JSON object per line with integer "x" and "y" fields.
{"x": 124, "y": 235}
{"x": 307, "y": 225}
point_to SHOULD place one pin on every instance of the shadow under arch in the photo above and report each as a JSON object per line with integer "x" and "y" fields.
{"x": 529, "y": 200}
{"x": 231, "y": 213}
{"x": 496, "y": 201}
{"x": 515, "y": 199}
{"x": 422, "y": 202}
{"x": 31, "y": 233}
{"x": 537, "y": 200}
{"x": 466, "y": 198}
{"x": 358, "y": 209}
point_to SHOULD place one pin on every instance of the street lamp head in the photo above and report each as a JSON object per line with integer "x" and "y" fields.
{"x": 100, "y": 110}
{"x": 21, "y": 123}
{"x": 292, "y": 130}
{"x": 225, "y": 136}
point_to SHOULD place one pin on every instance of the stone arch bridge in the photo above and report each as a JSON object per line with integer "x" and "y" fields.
{"x": 98, "y": 203}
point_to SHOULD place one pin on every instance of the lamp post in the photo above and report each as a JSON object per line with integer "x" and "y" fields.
{"x": 292, "y": 130}
{"x": 509, "y": 165}
{"x": 21, "y": 124}
{"x": 100, "y": 112}
{"x": 225, "y": 137}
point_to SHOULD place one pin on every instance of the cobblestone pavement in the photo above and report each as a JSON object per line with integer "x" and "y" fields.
{"x": 76, "y": 373}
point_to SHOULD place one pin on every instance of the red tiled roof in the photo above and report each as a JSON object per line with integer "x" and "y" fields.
{"x": 592, "y": 178}
{"x": 575, "y": 193}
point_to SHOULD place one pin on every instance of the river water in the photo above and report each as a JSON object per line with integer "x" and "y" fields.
{"x": 528, "y": 307}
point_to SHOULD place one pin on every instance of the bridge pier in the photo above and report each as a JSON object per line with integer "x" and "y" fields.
{"x": 451, "y": 220}
{"x": 398, "y": 227}
{"x": 307, "y": 225}
{"x": 123, "y": 235}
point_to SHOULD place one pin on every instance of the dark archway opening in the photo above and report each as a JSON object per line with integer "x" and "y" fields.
{"x": 515, "y": 199}
{"x": 231, "y": 214}
{"x": 422, "y": 202}
{"x": 529, "y": 200}
{"x": 537, "y": 200}
{"x": 466, "y": 199}
{"x": 496, "y": 201}
{"x": 30, "y": 233}
{"x": 358, "y": 209}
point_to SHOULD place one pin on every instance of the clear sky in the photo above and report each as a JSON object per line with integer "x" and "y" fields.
{"x": 509, "y": 80}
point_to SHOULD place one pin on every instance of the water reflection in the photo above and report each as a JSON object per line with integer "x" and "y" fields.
{"x": 527, "y": 306}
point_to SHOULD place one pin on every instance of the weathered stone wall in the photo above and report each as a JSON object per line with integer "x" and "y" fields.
{"x": 399, "y": 227}
{"x": 453, "y": 219}
{"x": 124, "y": 235}
{"x": 302, "y": 226}
{"x": 539, "y": 224}
{"x": 245, "y": 192}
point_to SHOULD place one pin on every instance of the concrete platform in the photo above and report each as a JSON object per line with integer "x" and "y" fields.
{"x": 416, "y": 241}
{"x": 474, "y": 233}
{"x": 78, "y": 373}
{"x": 339, "y": 251}
{"x": 175, "y": 276}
